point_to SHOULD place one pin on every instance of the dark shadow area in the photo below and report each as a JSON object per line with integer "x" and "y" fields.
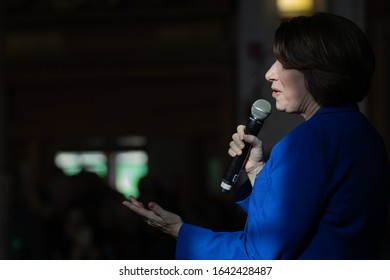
{"x": 81, "y": 217}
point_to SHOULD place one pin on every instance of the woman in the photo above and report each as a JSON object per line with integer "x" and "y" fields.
{"x": 324, "y": 192}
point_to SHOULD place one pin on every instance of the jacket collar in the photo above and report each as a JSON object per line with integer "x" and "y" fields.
{"x": 338, "y": 109}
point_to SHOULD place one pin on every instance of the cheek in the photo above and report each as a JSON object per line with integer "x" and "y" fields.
{"x": 289, "y": 101}
{"x": 282, "y": 102}
{"x": 296, "y": 90}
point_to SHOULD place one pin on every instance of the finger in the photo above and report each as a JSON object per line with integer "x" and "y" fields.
{"x": 139, "y": 210}
{"x": 232, "y": 153}
{"x": 241, "y": 131}
{"x": 130, "y": 205}
{"x": 238, "y": 141}
{"x": 253, "y": 141}
{"x": 234, "y": 149}
{"x": 135, "y": 201}
{"x": 157, "y": 209}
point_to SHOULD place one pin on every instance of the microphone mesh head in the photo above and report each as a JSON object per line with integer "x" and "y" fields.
{"x": 261, "y": 109}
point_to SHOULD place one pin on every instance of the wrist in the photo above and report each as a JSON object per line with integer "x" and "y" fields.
{"x": 260, "y": 167}
{"x": 255, "y": 172}
{"x": 175, "y": 230}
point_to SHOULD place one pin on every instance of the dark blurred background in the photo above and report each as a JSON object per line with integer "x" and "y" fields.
{"x": 100, "y": 99}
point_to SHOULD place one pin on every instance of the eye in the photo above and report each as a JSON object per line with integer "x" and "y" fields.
{"x": 281, "y": 64}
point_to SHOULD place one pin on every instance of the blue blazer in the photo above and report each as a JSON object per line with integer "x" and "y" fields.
{"x": 323, "y": 194}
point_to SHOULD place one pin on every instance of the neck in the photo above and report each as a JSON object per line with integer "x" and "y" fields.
{"x": 311, "y": 111}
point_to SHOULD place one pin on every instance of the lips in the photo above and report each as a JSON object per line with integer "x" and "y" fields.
{"x": 275, "y": 92}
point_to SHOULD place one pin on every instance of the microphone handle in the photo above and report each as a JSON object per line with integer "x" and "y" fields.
{"x": 232, "y": 172}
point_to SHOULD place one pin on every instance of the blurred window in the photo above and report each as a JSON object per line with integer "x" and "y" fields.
{"x": 122, "y": 169}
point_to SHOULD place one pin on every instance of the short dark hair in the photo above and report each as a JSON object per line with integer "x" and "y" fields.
{"x": 333, "y": 53}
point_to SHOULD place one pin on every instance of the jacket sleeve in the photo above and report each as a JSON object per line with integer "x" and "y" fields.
{"x": 282, "y": 208}
{"x": 197, "y": 243}
{"x": 200, "y": 243}
{"x": 243, "y": 194}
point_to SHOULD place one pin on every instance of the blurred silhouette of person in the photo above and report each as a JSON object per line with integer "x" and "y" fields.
{"x": 324, "y": 191}
{"x": 86, "y": 222}
{"x": 80, "y": 234}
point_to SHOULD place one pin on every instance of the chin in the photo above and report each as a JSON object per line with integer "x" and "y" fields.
{"x": 280, "y": 108}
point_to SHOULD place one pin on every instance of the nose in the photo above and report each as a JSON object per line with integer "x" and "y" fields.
{"x": 270, "y": 75}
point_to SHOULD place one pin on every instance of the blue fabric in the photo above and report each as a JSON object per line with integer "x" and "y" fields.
{"x": 323, "y": 194}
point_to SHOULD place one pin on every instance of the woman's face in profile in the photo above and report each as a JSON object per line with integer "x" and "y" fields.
{"x": 289, "y": 89}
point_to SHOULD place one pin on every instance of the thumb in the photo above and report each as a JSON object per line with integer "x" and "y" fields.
{"x": 156, "y": 208}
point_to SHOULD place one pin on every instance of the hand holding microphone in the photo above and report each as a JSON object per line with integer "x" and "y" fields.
{"x": 254, "y": 163}
{"x": 244, "y": 139}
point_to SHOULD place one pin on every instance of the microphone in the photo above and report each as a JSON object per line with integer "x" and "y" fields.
{"x": 260, "y": 110}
